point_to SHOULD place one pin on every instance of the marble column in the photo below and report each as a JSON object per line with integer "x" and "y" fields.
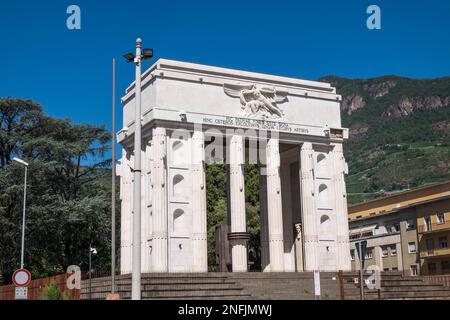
{"x": 159, "y": 186}
{"x": 342, "y": 232}
{"x": 145, "y": 210}
{"x": 274, "y": 206}
{"x": 264, "y": 238}
{"x": 199, "y": 238}
{"x": 288, "y": 228}
{"x": 126, "y": 184}
{"x": 237, "y": 203}
{"x": 309, "y": 219}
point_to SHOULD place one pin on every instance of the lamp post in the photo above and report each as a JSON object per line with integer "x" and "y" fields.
{"x": 113, "y": 181}
{"x": 136, "y": 256}
{"x": 25, "y": 164}
{"x": 91, "y": 252}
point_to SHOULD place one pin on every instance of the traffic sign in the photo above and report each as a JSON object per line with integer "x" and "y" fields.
{"x": 21, "y": 277}
{"x": 21, "y": 293}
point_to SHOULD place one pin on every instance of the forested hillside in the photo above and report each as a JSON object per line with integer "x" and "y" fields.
{"x": 399, "y": 133}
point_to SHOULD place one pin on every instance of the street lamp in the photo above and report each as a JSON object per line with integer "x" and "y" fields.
{"x": 91, "y": 252}
{"x": 25, "y": 164}
{"x": 141, "y": 54}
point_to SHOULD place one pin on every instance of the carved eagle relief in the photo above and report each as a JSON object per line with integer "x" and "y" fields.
{"x": 257, "y": 102}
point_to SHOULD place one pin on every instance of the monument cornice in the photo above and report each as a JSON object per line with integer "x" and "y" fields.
{"x": 218, "y": 76}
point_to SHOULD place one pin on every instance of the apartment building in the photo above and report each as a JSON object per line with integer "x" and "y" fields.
{"x": 407, "y": 231}
{"x": 433, "y": 222}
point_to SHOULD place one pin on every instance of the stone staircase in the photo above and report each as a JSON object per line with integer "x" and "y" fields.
{"x": 263, "y": 285}
{"x": 169, "y": 286}
{"x": 395, "y": 286}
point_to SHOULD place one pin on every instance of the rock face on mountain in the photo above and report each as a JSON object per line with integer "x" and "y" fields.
{"x": 380, "y": 89}
{"x": 399, "y": 133}
{"x": 352, "y": 103}
{"x": 407, "y": 105}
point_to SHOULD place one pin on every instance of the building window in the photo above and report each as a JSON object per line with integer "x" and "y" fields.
{"x": 386, "y": 269}
{"x": 394, "y": 269}
{"x": 352, "y": 254}
{"x": 367, "y": 234}
{"x": 393, "y": 228}
{"x": 445, "y": 267}
{"x": 427, "y": 222}
{"x": 393, "y": 250}
{"x": 432, "y": 268}
{"x": 413, "y": 269}
{"x": 443, "y": 243}
{"x": 410, "y": 224}
{"x": 440, "y": 218}
{"x": 384, "y": 251}
{"x": 430, "y": 246}
{"x": 369, "y": 253}
{"x": 412, "y": 247}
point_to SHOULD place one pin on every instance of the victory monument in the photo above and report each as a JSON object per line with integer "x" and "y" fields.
{"x": 195, "y": 114}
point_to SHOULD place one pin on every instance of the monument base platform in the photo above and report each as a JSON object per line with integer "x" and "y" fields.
{"x": 218, "y": 285}
{"x": 264, "y": 285}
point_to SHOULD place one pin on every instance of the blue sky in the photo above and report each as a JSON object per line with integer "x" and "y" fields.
{"x": 69, "y": 71}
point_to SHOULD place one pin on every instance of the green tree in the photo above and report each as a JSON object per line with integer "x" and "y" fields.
{"x": 68, "y": 200}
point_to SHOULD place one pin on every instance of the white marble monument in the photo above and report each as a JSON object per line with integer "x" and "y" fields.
{"x": 291, "y": 127}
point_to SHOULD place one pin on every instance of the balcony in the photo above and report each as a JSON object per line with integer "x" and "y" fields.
{"x": 428, "y": 253}
{"x": 433, "y": 227}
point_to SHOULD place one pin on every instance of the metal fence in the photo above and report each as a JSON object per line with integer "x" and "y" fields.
{"x": 438, "y": 279}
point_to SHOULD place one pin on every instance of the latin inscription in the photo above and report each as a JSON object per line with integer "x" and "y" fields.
{"x": 255, "y": 124}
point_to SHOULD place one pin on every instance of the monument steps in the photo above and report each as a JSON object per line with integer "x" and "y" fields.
{"x": 396, "y": 286}
{"x": 173, "y": 287}
{"x": 263, "y": 285}
{"x": 402, "y": 295}
{"x": 168, "y": 282}
{"x": 169, "y": 286}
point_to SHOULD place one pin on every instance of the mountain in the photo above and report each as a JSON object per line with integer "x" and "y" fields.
{"x": 399, "y": 133}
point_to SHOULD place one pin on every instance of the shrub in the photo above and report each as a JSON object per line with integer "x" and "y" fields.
{"x": 52, "y": 292}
